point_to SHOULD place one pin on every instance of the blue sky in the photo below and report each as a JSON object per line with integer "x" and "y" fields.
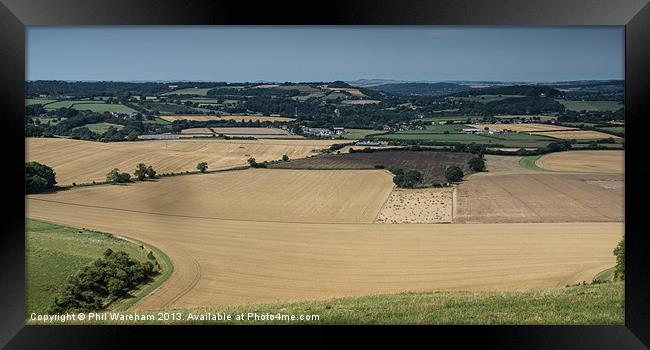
{"x": 236, "y": 54}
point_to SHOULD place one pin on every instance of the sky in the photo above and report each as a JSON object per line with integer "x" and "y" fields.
{"x": 299, "y": 54}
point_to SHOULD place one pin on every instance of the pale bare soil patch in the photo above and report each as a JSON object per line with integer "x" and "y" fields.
{"x": 250, "y": 131}
{"x": 538, "y": 197}
{"x": 226, "y": 262}
{"x": 504, "y": 164}
{"x": 527, "y": 127}
{"x": 328, "y": 196}
{"x": 237, "y": 118}
{"x": 85, "y": 161}
{"x": 422, "y": 205}
{"x": 360, "y": 102}
{"x": 584, "y": 161}
{"x": 576, "y": 135}
{"x": 197, "y": 131}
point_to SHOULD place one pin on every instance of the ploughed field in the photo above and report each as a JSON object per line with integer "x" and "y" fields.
{"x": 508, "y": 194}
{"x": 432, "y": 165}
{"x": 86, "y": 161}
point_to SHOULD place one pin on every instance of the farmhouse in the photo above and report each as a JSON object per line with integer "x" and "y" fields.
{"x": 317, "y": 131}
{"x": 473, "y": 131}
{"x": 368, "y": 143}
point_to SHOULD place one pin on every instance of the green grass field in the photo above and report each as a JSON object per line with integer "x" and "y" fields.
{"x": 54, "y": 252}
{"x": 38, "y": 101}
{"x": 156, "y": 121}
{"x": 595, "y": 304}
{"x": 529, "y": 162}
{"x": 620, "y": 129}
{"x": 358, "y": 134}
{"x": 591, "y": 105}
{"x": 101, "y": 128}
{"x": 95, "y": 106}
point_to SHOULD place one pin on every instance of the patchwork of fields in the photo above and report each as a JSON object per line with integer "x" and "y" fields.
{"x": 315, "y": 228}
{"x": 85, "y": 161}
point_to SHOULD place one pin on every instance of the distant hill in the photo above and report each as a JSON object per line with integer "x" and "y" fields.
{"x": 524, "y": 90}
{"x": 420, "y": 89}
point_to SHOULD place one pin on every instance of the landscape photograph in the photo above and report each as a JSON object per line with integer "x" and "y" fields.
{"x": 319, "y": 175}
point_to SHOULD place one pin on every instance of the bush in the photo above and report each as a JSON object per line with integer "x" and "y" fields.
{"x": 140, "y": 171}
{"x": 285, "y": 158}
{"x": 477, "y": 164}
{"x": 202, "y": 167}
{"x": 619, "y": 252}
{"x": 38, "y": 177}
{"x": 454, "y": 174}
{"x": 114, "y": 176}
{"x": 150, "y": 172}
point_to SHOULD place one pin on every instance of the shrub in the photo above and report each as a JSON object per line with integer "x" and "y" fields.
{"x": 619, "y": 252}
{"x": 477, "y": 164}
{"x": 454, "y": 174}
{"x": 38, "y": 177}
{"x": 150, "y": 172}
{"x": 202, "y": 167}
{"x": 140, "y": 171}
{"x": 285, "y": 158}
{"x": 114, "y": 176}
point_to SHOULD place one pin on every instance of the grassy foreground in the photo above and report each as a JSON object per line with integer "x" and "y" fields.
{"x": 55, "y": 252}
{"x": 593, "y": 304}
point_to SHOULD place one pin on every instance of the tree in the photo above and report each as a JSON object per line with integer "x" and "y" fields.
{"x": 408, "y": 180}
{"x": 252, "y": 162}
{"x": 115, "y": 176}
{"x": 477, "y": 164}
{"x": 38, "y": 177}
{"x": 285, "y": 158}
{"x": 151, "y": 173}
{"x": 140, "y": 171}
{"x": 202, "y": 167}
{"x": 454, "y": 174}
{"x": 619, "y": 252}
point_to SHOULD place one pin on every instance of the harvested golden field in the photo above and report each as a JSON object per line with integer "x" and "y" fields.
{"x": 86, "y": 161}
{"x": 527, "y": 127}
{"x": 576, "y": 135}
{"x": 540, "y": 197}
{"x": 611, "y": 162}
{"x": 329, "y": 196}
{"x": 227, "y": 262}
{"x": 237, "y": 118}
{"x": 421, "y": 205}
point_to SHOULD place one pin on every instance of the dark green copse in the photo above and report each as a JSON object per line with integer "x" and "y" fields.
{"x": 38, "y": 177}
{"x": 454, "y": 174}
{"x": 409, "y": 179}
{"x": 619, "y": 252}
{"x": 477, "y": 164}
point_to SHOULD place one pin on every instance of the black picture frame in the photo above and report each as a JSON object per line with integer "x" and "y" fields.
{"x": 15, "y": 15}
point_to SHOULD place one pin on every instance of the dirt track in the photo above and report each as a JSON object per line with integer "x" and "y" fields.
{"x": 222, "y": 262}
